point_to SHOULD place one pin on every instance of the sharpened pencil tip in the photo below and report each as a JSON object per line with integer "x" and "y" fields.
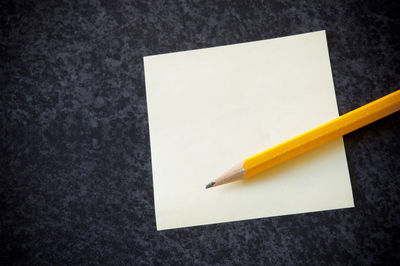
{"x": 210, "y": 185}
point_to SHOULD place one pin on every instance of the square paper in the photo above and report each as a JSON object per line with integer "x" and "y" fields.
{"x": 211, "y": 108}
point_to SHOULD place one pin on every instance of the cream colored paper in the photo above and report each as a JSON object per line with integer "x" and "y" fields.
{"x": 210, "y": 108}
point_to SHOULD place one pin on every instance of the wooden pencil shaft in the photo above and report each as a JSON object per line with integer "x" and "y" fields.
{"x": 311, "y": 139}
{"x": 322, "y": 134}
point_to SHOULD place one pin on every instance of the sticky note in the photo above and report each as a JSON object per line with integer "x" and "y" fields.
{"x": 211, "y": 108}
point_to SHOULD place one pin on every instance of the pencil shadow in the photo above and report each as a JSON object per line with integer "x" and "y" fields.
{"x": 286, "y": 167}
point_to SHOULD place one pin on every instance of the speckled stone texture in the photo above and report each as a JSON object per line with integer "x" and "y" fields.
{"x": 76, "y": 184}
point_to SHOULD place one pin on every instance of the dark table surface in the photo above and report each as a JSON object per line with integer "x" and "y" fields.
{"x": 76, "y": 183}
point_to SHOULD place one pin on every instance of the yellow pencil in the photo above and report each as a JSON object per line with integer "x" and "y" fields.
{"x": 311, "y": 139}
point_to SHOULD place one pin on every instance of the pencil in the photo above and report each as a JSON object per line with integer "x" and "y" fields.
{"x": 311, "y": 139}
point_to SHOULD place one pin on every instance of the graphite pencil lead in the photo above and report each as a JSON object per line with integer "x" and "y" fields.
{"x": 210, "y": 184}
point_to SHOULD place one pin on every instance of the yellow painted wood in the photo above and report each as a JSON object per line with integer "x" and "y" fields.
{"x": 322, "y": 134}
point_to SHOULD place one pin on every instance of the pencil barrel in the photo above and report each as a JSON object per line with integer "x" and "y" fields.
{"x": 320, "y": 135}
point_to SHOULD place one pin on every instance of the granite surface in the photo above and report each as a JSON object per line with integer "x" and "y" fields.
{"x": 76, "y": 184}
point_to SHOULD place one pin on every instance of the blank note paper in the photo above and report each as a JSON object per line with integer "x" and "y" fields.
{"x": 211, "y": 108}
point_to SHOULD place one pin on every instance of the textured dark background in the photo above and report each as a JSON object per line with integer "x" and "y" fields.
{"x": 76, "y": 185}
